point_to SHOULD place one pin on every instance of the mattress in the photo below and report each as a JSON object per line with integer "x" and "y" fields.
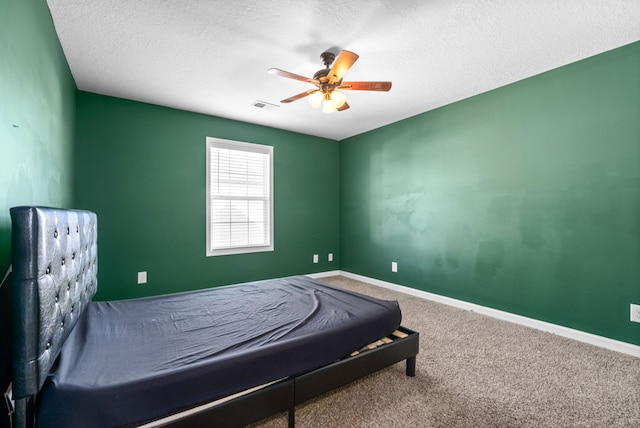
{"x": 131, "y": 361}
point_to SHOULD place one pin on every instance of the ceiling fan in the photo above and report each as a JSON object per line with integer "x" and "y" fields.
{"x": 328, "y": 82}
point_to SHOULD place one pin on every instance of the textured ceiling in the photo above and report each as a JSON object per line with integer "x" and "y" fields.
{"x": 212, "y": 57}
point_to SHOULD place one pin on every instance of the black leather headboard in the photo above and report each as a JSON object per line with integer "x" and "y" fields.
{"x": 55, "y": 267}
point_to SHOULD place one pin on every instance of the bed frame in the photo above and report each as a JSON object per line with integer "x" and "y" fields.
{"x": 55, "y": 277}
{"x": 284, "y": 395}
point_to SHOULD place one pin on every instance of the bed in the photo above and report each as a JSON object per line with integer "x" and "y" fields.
{"x": 224, "y": 356}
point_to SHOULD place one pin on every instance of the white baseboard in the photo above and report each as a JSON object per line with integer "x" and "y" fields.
{"x": 5, "y": 276}
{"x": 325, "y": 274}
{"x": 603, "y": 342}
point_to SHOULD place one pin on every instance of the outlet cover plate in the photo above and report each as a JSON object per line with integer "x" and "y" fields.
{"x": 635, "y": 313}
{"x": 142, "y": 277}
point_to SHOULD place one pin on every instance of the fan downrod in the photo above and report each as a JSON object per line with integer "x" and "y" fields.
{"x": 327, "y": 59}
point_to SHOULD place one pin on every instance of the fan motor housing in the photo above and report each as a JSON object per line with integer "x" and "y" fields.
{"x": 321, "y": 73}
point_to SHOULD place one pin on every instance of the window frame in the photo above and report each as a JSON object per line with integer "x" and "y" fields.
{"x": 214, "y": 142}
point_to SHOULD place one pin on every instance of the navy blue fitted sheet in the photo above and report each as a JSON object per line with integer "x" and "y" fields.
{"x": 132, "y": 361}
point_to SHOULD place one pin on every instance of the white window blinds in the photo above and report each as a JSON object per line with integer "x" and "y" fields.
{"x": 239, "y": 197}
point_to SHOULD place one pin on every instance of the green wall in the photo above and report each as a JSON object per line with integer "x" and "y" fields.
{"x": 524, "y": 199}
{"x": 37, "y": 114}
{"x": 141, "y": 168}
{"x": 37, "y": 126}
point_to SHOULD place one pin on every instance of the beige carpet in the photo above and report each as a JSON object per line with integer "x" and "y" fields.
{"x": 476, "y": 371}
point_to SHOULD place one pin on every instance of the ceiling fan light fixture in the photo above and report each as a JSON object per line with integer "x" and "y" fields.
{"x": 315, "y": 99}
{"x": 338, "y": 99}
{"x": 327, "y": 105}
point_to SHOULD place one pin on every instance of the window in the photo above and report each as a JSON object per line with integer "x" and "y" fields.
{"x": 239, "y": 197}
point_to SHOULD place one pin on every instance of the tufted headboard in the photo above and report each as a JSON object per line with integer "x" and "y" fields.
{"x": 54, "y": 263}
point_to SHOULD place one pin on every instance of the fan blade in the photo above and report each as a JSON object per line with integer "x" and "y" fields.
{"x": 365, "y": 86}
{"x": 299, "y": 96}
{"x": 283, "y": 73}
{"x": 343, "y": 63}
{"x": 343, "y": 107}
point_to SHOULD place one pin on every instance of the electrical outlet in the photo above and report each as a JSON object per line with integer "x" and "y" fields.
{"x": 635, "y": 313}
{"x": 394, "y": 266}
{"x": 142, "y": 277}
{"x": 330, "y": 258}
{"x": 315, "y": 258}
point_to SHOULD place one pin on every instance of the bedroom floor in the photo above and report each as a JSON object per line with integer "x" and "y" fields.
{"x": 477, "y": 371}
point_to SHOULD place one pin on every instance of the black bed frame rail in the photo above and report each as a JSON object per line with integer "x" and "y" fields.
{"x": 286, "y": 394}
